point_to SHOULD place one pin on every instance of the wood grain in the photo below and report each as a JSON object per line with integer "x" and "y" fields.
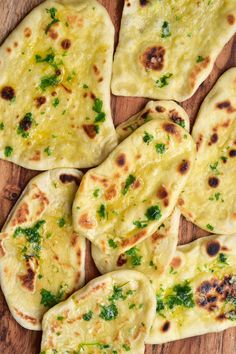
{"x": 13, "y": 338}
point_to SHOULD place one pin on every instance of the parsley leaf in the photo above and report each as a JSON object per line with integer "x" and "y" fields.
{"x": 49, "y": 80}
{"x": 147, "y": 138}
{"x": 199, "y": 59}
{"x": 48, "y": 299}
{"x": 210, "y": 227}
{"x": 8, "y": 151}
{"x": 87, "y": 316}
{"x": 112, "y": 243}
{"x": 163, "y": 81}
{"x": 48, "y": 151}
{"x": 129, "y": 181}
{"x": 140, "y": 224}
{"x": 102, "y": 211}
{"x": 222, "y": 258}
{"x": 135, "y": 259}
{"x": 96, "y": 192}
{"x": 52, "y": 11}
{"x": 61, "y": 222}
{"x": 1, "y": 126}
{"x": 182, "y": 295}
{"x": 214, "y": 168}
{"x": 153, "y": 213}
{"x": 109, "y": 312}
{"x": 55, "y": 102}
{"x": 126, "y": 347}
{"x": 117, "y": 294}
{"x": 97, "y": 107}
{"x": 165, "y": 30}
{"x": 160, "y": 148}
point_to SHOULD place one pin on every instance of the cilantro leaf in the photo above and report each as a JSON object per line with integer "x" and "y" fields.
{"x": 129, "y": 181}
{"x": 109, "y": 312}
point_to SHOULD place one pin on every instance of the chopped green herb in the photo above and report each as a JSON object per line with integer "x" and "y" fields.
{"x": 87, "y": 316}
{"x": 96, "y": 192}
{"x": 112, "y": 243}
{"x": 210, "y": 227}
{"x": 159, "y": 304}
{"x": 117, "y": 294}
{"x": 32, "y": 235}
{"x": 60, "y": 318}
{"x": 96, "y": 128}
{"x": 140, "y": 224}
{"x": 50, "y": 59}
{"x": 48, "y": 299}
{"x": 52, "y": 11}
{"x": 48, "y": 151}
{"x": 8, "y": 151}
{"x": 135, "y": 259}
{"x": 40, "y": 276}
{"x": 160, "y": 148}
{"x": 222, "y": 258}
{"x": 109, "y": 312}
{"x": 101, "y": 117}
{"x": 55, "y": 102}
{"x": 214, "y": 168}
{"x": 163, "y": 81}
{"x": 126, "y": 347}
{"x": 102, "y": 211}
{"x": 61, "y": 222}
{"x": 180, "y": 122}
{"x": 2, "y": 126}
{"x": 147, "y": 138}
{"x": 85, "y": 86}
{"x": 172, "y": 270}
{"x": 153, "y": 213}
{"x": 129, "y": 181}
{"x": 199, "y": 59}
{"x": 97, "y": 107}
{"x": 165, "y": 30}
{"x": 49, "y": 80}
{"x": 132, "y": 306}
{"x": 182, "y": 296}
{"x": 216, "y": 197}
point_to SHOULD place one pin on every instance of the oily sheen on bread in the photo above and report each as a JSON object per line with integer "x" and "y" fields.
{"x": 168, "y": 48}
{"x": 151, "y": 257}
{"x": 55, "y": 87}
{"x": 41, "y": 257}
{"x": 112, "y": 313}
{"x": 125, "y": 199}
{"x": 197, "y": 294}
{"x": 209, "y": 197}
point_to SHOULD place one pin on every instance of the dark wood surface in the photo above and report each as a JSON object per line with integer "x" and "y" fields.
{"x": 13, "y": 338}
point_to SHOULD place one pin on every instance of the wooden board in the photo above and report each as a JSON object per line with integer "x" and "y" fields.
{"x": 13, "y": 338}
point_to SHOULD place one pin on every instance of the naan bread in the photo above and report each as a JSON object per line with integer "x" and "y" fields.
{"x": 154, "y": 110}
{"x": 209, "y": 197}
{"x": 111, "y": 314}
{"x": 41, "y": 257}
{"x": 151, "y": 257}
{"x": 55, "y": 87}
{"x": 197, "y": 295}
{"x": 126, "y": 198}
{"x": 168, "y": 48}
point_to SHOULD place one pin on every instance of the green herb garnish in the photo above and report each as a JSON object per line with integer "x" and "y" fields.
{"x": 147, "y": 138}
{"x": 61, "y": 222}
{"x": 117, "y": 294}
{"x": 160, "y": 148}
{"x": 135, "y": 259}
{"x": 222, "y": 258}
{"x": 140, "y": 224}
{"x": 214, "y": 168}
{"x": 109, "y": 312}
{"x": 8, "y": 151}
{"x": 182, "y": 295}
{"x": 49, "y": 299}
{"x": 2, "y": 126}
{"x": 96, "y": 192}
{"x": 102, "y": 211}
{"x": 163, "y": 81}
{"x": 87, "y": 316}
{"x": 129, "y": 181}
{"x": 210, "y": 227}
{"x": 199, "y": 59}
{"x": 153, "y": 213}
{"x": 165, "y": 30}
{"x": 48, "y": 151}
{"x": 52, "y": 11}
{"x": 47, "y": 81}
{"x": 55, "y": 102}
{"x": 112, "y": 243}
{"x": 126, "y": 347}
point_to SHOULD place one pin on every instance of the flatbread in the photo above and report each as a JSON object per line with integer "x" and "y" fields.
{"x": 151, "y": 257}
{"x": 112, "y": 313}
{"x": 55, "y": 87}
{"x": 209, "y": 197}
{"x": 125, "y": 199}
{"x": 197, "y": 295}
{"x": 154, "y": 110}
{"x": 41, "y": 257}
{"x": 168, "y": 48}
